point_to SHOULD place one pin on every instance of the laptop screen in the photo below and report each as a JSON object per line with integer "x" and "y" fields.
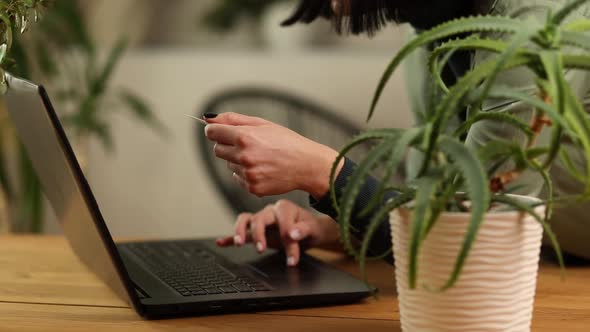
{"x": 64, "y": 184}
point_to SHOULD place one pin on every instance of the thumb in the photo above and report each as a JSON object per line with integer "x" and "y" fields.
{"x": 234, "y": 119}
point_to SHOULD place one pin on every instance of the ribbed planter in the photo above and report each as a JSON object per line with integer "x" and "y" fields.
{"x": 496, "y": 289}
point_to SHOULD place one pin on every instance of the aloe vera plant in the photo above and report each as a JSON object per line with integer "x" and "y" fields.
{"x": 451, "y": 174}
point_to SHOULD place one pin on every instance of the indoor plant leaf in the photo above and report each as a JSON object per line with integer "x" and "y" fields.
{"x": 451, "y": 28}
{"x": 479, "y": 194}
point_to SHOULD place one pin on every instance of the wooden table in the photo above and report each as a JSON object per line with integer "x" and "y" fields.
{"x": 44, "y": 288}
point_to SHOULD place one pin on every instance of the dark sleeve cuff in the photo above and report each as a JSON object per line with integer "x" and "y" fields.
{"x": 381, "y": 241}
{"x": 324, "y": 205}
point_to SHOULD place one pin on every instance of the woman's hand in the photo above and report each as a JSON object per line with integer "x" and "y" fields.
{"x": 268, "y": 159}
{"x": 284, "y": 225}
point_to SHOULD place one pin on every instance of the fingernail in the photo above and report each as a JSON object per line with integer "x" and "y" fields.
{"x": 295, "y": 234}
{"x": 291, "y": 261}
{"x": 238, "y": 240}
{"x": 210, "y": 115}
{"x": 259, "y": 246}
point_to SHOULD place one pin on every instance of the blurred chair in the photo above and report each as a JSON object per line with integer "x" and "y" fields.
{"x": 296, "y": 113}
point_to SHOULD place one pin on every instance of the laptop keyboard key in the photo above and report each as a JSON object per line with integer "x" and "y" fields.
{"x": 213, "y": 290}
{"x": 228, "y": 289}
{"x": 242, "y": 287}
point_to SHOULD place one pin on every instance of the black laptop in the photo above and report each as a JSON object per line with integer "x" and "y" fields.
{"x": 162, "y": 278}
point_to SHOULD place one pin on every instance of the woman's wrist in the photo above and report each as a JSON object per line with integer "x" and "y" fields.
{"x": 316, "y": 182}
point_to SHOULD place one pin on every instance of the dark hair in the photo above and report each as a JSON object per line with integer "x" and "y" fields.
{"x": 368, "y": 16}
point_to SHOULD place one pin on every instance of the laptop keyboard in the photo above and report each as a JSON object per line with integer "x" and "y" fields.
{"x": 192, "y": 270}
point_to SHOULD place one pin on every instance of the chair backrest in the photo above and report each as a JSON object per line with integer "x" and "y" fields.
{"x": 298, "y": 114}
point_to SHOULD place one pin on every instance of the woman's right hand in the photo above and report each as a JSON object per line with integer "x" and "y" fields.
{"x": 284, "y": 225}
{"x": 268, "y": 159}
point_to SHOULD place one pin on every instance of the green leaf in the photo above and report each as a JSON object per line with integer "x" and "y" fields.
{"x": 500, "y": 149}
{"x": 141, "y": 110}
{"x": 578, "y": 25}
{"x": 566, "y": 11}
{"x": 553, "y": 65}
{"x": 451, "y": 28}
{"x": 422, "y": 212}
{"x": 495, "y": 117}
{"x": 492, "y": 170}
{"x": 370, "y": 135}
{"x": 519, "y": 206}
{"x": 573, "y": 38}
{"x": 477, "y": 186}
{"x": 501, "y": 91}
{"x": 451, "y": 103}
{"x": 65, "y": 21}
{"x": 353, "y": 187}
{"x": 8, "y": 33}
{"x": 22, "y": 61}
{"x": 570, "y": 166}
{"x": 98, "y": 86}
{"x": 548, "y": 187}
{"x": 514, "y": 47}
{"x": 379, "y": 216}
{"x": 441, "y": 203}
{"x": 438, "y": 68}
{"x": 578, "y": 120}
{"x": 448, "y": 48}
{"x": 45, "y": 61}
{"x": 576, "y": 61}
{"x": 494, "y": 149}
{"x": 449, "y": 106}
{"x": 397, "y": 155}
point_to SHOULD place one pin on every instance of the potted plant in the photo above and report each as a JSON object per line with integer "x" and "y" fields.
{"x": 466, "y": 250}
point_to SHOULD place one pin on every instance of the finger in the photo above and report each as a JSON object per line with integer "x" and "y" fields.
{"x": 222, "y": 133}
{"x": 286, "y": 214}
{"x": 241, "y": 181}
{"x": 293, "y": 252}
{"x": 300, "y": 231}
{"x": 236, "y": 119}
{"x": 241, "y": 228}
{"x": 227, "y": 152}
{"x": 229, "y": 241}
{"x": 235, "y": 168}
{"x": 258, "y": 227}
{"x": 225, "y": 241}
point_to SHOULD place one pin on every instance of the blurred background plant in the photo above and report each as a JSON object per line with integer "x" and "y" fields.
{"x": 59, "y": 52}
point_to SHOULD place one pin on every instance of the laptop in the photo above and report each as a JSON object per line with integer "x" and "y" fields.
{"x": 170, "y": 277}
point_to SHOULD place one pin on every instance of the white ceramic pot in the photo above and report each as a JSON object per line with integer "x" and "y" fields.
{"x": 496, "y": 289}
